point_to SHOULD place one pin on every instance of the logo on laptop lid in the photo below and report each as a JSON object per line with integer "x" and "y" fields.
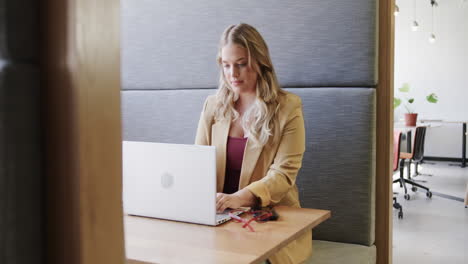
{"x": 167, "y": 180}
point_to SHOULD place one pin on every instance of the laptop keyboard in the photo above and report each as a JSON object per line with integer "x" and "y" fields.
{"x": 224, "y": 217}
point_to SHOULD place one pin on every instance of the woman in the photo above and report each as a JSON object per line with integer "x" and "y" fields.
{"x": 258, "y": 131}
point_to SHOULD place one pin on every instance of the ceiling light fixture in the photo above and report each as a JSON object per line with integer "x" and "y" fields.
{"x": 415, "y": 24}
{"x": 397, "y": 10}
{"x": 432, "y": 37}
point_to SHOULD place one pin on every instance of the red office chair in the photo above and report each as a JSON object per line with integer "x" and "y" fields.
{"x": 396, "y": 157}
{"x": 415, "y": 156}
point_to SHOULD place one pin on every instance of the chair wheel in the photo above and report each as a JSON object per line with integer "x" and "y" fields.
{"x": 400, "y": 215}
{"x": 414, "y": 188}
{"x": 407, "y": 196}
{"x": 429, "y": 194}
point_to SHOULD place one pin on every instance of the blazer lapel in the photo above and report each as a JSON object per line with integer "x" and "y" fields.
{"x": 249, "y": 161}
{"x": 220, "y": 131}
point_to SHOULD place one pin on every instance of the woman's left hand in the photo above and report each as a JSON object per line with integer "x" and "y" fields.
{"x": 238, "y": 199}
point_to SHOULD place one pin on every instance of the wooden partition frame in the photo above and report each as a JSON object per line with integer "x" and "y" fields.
{"x": 384, "y": 193}
{"x": 82, "y": 131}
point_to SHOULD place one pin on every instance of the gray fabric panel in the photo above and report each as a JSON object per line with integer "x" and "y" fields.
{"x": 173, "y": 44}
{"x": 21, "y": 183}
{"x": 325, "y": 252}
{"x": 338, "y": 167}
{"x": 19, "y": 29}
{"x": 168, "y": 116}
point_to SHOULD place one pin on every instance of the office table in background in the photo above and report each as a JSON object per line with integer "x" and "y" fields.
{"x": 463, "y": 122}
{"x": 149, "y": 240}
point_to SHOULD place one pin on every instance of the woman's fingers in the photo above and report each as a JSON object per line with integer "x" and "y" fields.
{"x": 219, "y": 196}
{"x": 221, "y": 200}
{"x": 222, "y": 207}
{"x": 224, "y": 201}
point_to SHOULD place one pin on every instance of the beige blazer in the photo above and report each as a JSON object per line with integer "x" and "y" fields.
{"x": 269, "y": 172}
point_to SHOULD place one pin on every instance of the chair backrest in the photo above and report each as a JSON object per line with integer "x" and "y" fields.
{"x": 396, "y": 149}
{"x": 418, "y": 146}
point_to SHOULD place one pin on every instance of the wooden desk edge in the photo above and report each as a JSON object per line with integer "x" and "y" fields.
{"x": 322, "y": 218}
{"x": 132, "y": 261}
{"x": 325, "y": 215}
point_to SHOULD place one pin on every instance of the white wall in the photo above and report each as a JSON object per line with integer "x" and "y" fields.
{"x": 440, "y": 67}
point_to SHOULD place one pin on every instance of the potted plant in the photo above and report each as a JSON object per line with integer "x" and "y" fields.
{"x": 410, "y": 116}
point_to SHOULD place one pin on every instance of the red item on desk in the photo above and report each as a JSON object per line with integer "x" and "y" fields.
{"x": 260, "y": 216}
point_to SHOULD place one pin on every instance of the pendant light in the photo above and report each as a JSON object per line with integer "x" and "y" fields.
{"x": 397, "y": 10}
{"x": 432, "y": 37}
{"x": 415, "y": 24}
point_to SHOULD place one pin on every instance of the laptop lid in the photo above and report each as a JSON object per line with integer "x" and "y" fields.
{"x": 170, "y": 181}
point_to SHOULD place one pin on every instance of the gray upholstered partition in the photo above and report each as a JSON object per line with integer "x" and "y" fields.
{"x": 173, "y": 44}
{"x": 337, "y": 172}
{"x": 323, "y": 51}
{"x": 21, "y": 238}
{"x": 145, "y": 114}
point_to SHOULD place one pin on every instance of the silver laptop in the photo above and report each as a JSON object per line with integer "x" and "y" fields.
{"x": 171, "y": 181}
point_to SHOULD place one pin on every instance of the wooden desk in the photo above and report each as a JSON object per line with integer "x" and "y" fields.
{"x": 149, "y": 240}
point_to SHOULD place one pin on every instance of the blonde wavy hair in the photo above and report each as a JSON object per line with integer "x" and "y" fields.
{"x": 260, "y": 119}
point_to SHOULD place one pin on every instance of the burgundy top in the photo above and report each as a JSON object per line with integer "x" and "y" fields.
{"x": 234, "y": 156}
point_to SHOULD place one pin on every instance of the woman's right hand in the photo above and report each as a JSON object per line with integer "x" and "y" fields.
{"x": 241, "y": 198}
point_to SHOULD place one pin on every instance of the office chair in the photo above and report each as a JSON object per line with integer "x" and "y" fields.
{"x": 396, "y": 157}
{"x": 408, "y": 158}
{"x": 418, "y": 159}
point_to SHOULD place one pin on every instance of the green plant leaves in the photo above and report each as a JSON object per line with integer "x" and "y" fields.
{"x": 396, "y": 102}
{"x": 406, "y": 102}
{"x": 432, "y": 98}
{"x": 405, "y": 88}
